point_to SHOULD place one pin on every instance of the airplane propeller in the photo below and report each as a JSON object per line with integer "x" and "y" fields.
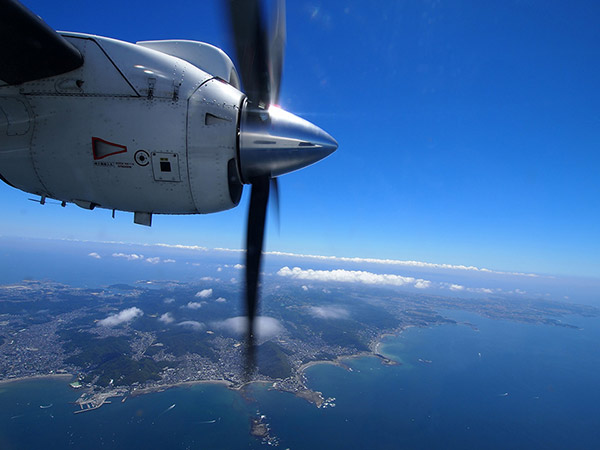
{"x": 275, "y": 199}
{"x": 271, "y": 141}
{"x": 260, "y": 61}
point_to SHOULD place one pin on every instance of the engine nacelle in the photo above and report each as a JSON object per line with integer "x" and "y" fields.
{"x": 133, "y": 129}
{"x": 146, "y": 128}
{"x": 212, "y": 144}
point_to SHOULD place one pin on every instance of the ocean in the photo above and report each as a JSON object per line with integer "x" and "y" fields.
{"x": 502, "y": 385}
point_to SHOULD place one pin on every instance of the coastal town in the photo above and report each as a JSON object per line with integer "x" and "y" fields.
{"x": 52, "y": 329}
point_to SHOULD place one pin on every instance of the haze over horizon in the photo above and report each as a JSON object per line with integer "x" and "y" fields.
{"x": 95, "y": 263}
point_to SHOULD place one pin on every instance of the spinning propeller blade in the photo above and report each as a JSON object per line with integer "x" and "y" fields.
{"x": 272, "y": 142}
{"x": 275, "y": 197}
{"x": 259, "y": 52}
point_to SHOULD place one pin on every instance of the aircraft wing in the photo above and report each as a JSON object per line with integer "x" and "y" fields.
{"x": 29, "y": 48}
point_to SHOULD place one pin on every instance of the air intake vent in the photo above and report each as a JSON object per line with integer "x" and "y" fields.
{"x": 211, "y": 119}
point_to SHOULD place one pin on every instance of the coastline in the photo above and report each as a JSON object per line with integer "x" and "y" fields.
{"x": 377, "y": 347}
{"x": 310, "y": 395}
{"x": 375, "y": 352}
{"x": 164, "y": 387}
{"x": 316, "y": 397}
{"x": 36, "y": 377}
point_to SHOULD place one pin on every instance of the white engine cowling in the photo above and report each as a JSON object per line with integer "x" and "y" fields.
{"x": 133, "y": 129}
{"x": 212, "y": 147}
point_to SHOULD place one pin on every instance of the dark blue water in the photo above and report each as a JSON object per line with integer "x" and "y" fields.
{"x": 507, "y": 385}
{"x": 204, "y": 416}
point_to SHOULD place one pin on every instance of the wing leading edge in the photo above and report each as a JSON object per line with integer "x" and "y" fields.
{"x": 29, "y": 48}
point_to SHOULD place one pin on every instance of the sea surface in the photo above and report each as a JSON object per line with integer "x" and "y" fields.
{"x": 501, "y": 385}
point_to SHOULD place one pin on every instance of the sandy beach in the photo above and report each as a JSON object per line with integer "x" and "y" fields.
{"x": 65, "y": 376}
{"x": 374, "y": 352}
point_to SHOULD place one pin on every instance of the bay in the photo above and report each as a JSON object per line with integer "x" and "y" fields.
{"x": 501, "y": 385}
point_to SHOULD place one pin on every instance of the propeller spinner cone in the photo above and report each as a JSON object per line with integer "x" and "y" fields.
{"x": 274, "y": 142}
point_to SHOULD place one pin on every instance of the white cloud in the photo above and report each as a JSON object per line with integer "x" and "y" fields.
{"x": 221, "y": 300}
{"x": 207, "y": 279}
{"x": 305, "y": 288}
{"x": 196, "y": 326}
{"x": 408, "y": 263}
{"x": 168, "y": 261}
{"x": 94, "y": 255}
{"x": 124, "y": 316}
{"x": 461, "y": 288}
{"x": 128, "y": 257}
{"x": 168, "y": 300}
{"x": 396, "y": 262}
{"x": 204, "y": 293}
{"x": 329, "y": 312}
{"x": 140, "y": 257}
{"x": 266, "y": 327}
{"x": 194, "y": 305}
{"x": 482, "y": 290}
{"x": 238, "y": 266}
{"x": 167, "y": 318}
{"x": 422, "y": 284}
{"x": 350, "y": 276}
{"x": 219, "y": 269}
{"x": 232, "y": 250}
{"x": 186, "y": 247}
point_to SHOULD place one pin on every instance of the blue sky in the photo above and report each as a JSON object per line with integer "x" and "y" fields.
{"x": 469, "y": 132}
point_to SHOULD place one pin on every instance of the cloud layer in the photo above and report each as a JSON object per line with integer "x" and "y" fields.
{"x": 352, "y": 276}
{"x": 398, "y": 262}
{"x": 407, "y": 263}
{"x": 369, "y": 278}
{"x": 124, "y": 316}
